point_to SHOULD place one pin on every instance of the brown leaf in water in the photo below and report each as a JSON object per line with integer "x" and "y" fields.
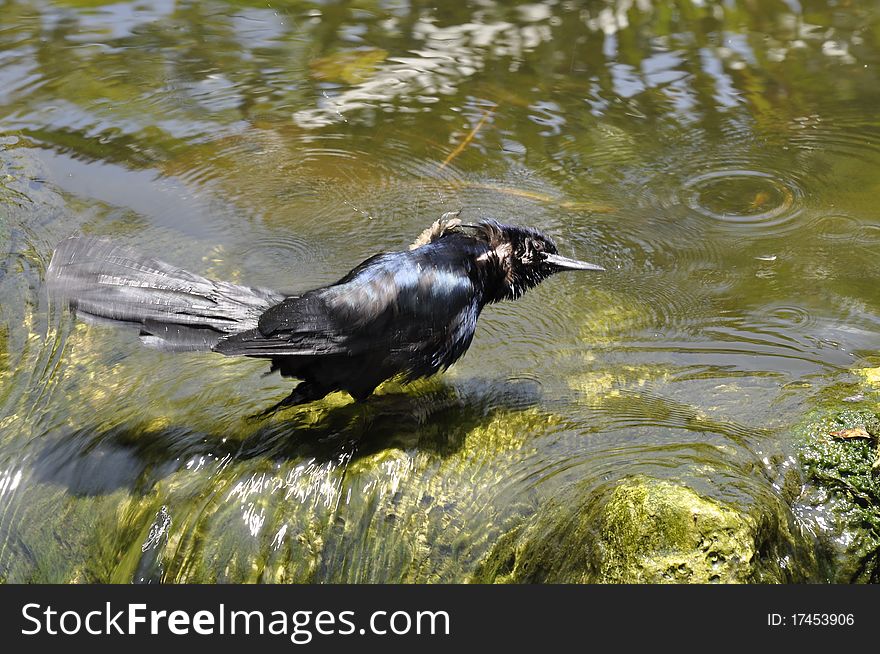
{"x": 760, "y": 200}
{"x": 852, "y": 432}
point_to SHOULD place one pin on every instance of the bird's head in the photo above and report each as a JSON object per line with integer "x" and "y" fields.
{"x": 524, "y": 257}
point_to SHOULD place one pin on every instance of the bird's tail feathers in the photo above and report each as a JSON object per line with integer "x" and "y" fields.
{"x": 173, "y": 308}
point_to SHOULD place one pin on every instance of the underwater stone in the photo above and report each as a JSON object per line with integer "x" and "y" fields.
{"x": 645, "y": 530}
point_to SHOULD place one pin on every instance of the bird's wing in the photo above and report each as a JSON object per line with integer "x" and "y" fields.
{"x": 299, "y": 325}
{"x": 391, "y": 302}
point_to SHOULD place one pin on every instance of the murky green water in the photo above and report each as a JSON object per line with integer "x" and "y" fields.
{"x": 721, "y": 159}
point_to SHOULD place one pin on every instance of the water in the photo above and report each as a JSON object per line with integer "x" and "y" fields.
{"x": 720, "y": 159}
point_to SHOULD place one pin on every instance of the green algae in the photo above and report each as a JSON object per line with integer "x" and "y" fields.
{"x": 401, "y": 514}
{"x": 401, "y": 490}
{"x": 646, "y": 530}
{"x": 844, "y": 490}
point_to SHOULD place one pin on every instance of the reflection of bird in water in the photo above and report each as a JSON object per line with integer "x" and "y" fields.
{"x": 408, "y": 314}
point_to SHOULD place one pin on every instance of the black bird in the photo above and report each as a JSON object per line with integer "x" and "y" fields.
{"x": 405, "y": 314}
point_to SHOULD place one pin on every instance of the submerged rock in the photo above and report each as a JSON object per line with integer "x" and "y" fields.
{"x": 646, "y": 530}
{"x": 410, "y": 488}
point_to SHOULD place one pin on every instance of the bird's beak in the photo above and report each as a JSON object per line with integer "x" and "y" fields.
{"x": 564, "y": 263}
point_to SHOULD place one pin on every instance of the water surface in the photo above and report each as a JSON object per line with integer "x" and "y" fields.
{"x": 720, "y": 159}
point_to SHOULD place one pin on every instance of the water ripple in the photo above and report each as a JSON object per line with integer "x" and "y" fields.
{"x": 743, "y": 197}
{"x": 837, "y": 228}
{"x": 847, "y": 134}
{"x": 277, "y": 251}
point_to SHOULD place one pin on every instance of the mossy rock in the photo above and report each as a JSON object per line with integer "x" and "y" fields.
{"x": 413, "y": 499}
{"x": 645, "y": 530}
{"x": 843, "y": 492}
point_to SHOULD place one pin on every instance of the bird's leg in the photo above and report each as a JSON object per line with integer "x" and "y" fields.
{"x": 303, "y": 393}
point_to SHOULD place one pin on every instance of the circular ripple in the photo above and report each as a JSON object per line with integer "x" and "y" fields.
{"x": 869, "y": 233}
{"x": 743, "y": 197}
{"x": 279, "y": 250}
{"x": 793, "y": 316}
{"x": 838, "y": 228}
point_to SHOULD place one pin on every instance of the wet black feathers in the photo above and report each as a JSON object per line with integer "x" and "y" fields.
{"x": 175, "y": 309}
{"x": 408, "y": 313}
